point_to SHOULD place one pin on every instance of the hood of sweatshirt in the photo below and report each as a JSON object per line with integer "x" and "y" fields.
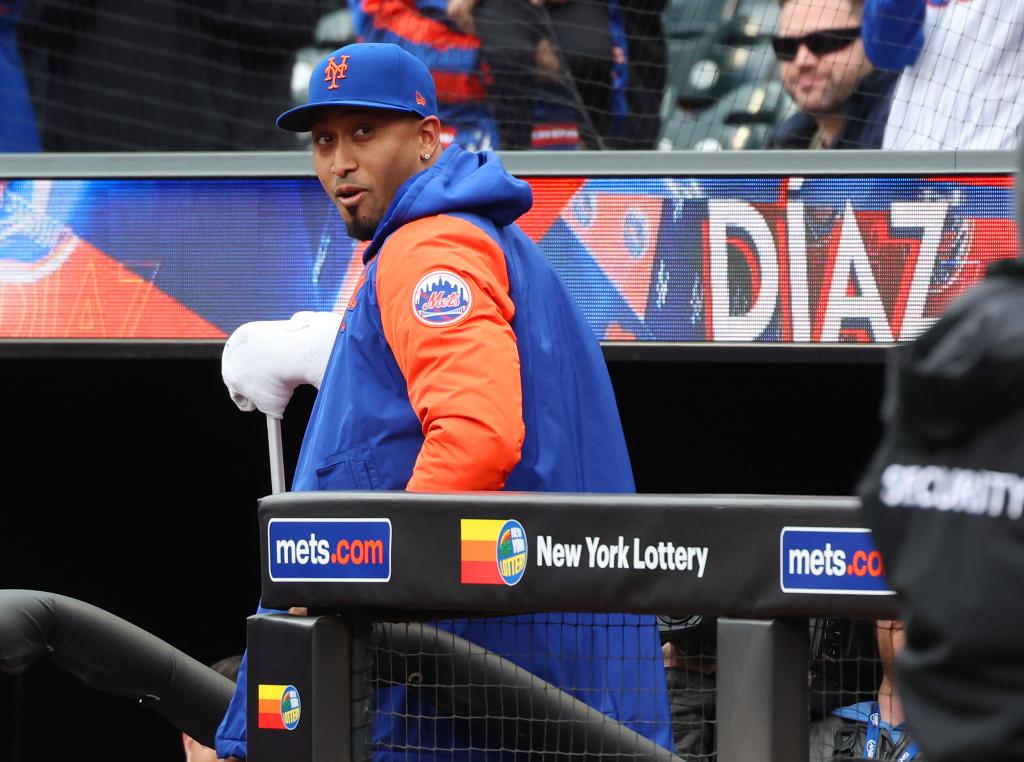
{"x": 459, "y": 181}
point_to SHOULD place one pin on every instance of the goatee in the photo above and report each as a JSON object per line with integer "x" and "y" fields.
{"x": 362, "y": 230}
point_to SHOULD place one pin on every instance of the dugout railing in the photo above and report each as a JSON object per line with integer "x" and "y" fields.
{"x": 762, "y": 565}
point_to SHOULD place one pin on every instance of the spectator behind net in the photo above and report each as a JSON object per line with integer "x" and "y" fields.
{"x": 964, "y": 71}
{"x": 843, "y": 101}
{"x": 527, "y": 45}
{"x": 648, "y": 73}
{"x": 870, "y": 729}
{"x": 452, "y": 56}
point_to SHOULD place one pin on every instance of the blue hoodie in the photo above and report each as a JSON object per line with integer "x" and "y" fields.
{"x": 368, "y": 430}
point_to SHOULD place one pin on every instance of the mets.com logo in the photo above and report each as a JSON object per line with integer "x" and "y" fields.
{"x": 329, "y": 550}
{"x": 830, "y": 560}
{"x": 494, "y": 551}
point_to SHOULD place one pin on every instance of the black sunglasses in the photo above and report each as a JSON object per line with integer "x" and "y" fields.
{"x": 819, "y": 43}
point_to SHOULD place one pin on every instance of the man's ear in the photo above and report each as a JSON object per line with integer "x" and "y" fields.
{"x": 187, "y": 742}
{"x": 430, "y": 134}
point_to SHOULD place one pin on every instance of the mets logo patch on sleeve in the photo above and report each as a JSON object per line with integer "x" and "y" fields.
{"x": 441, "y": 298}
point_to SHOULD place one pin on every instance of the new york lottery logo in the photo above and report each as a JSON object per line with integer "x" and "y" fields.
{"x": 279, "y": 707}
{"x": 493, "y": 551}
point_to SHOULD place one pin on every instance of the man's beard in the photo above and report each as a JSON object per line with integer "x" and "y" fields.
{"x": 362, "y": 230}
{"x": 827, "y": 104}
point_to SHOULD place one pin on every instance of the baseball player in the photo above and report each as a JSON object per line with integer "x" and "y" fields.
{"x": 461, "y": 363}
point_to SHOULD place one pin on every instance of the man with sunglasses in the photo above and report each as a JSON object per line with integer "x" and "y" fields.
{"x": 843, "y": 101}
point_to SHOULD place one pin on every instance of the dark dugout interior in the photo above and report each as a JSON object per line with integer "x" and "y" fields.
{"x": 131, "y": 483}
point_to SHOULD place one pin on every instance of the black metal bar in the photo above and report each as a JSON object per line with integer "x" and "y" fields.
{"x": 302, "y": 666}
{"x": 288, "y": 164}
{"x": 44, "y": 348}
{"x": 762, "y": 701}
{"x": 675, "y": 555}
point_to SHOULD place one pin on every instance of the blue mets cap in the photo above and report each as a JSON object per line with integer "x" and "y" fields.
{"x": 365, "y": 75}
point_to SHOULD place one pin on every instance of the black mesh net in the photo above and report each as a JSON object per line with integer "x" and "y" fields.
{"x": 163, "y": 75}
{"x": 690, "y": 661}
{"x": 856, "y": 711}
{"x": 542, "y": 685}
{"x": 112, "y": 75}
{"x": 425, "y": 691}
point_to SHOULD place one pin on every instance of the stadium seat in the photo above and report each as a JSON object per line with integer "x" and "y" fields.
{"x": 755, "y": 22}
{"x": 705, "y": 71}
{"x": 692, "y": 74}
{"x": 744, "y": 118}
{"x": 333, "y": 30}
{"x": 763, "y": 102}
{"x": 687, "y": 19}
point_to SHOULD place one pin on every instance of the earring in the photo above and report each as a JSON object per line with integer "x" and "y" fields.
{"x": 426, "y": 157}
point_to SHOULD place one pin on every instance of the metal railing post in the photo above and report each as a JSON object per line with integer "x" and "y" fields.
{"x": 762, "y": 702}
{"x": 298, "y": 688}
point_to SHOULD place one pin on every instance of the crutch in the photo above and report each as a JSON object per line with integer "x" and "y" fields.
{"x": 361, "y": 656}
{"x": 276, "y": 455}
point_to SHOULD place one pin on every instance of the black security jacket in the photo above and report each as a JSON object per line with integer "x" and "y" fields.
{"x": 944, "y": 498}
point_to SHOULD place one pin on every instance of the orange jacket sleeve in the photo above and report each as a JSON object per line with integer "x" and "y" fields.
{"x": 463, "y": 372}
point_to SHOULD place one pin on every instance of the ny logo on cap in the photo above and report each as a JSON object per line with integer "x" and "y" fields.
{"x": 335, "y": 71}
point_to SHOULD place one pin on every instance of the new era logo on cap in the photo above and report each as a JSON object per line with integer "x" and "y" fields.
{"x": 365, "y": 75}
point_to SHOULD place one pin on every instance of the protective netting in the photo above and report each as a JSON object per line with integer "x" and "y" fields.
{"x": 517, "y": 74}
{"x": 690, "y": 661}
{"x": 175, "y": 75}
{"x": 856, "y": 711}
{"x": 422, "y": 691}
{"x": 546, "y": 684}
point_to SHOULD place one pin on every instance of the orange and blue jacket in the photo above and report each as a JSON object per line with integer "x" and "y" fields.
{"x": 462, "y": 363}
